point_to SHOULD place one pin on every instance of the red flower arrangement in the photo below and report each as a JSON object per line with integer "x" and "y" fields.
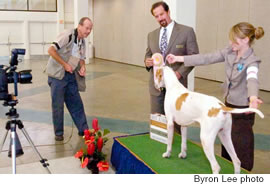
{"x": 92, "y": 156}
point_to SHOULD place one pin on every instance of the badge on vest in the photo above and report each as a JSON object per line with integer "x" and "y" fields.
{"x": 179, "y": 46}
{"x": 240, "y": 67}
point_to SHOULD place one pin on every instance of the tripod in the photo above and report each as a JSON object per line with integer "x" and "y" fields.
{"x": 11, "y": 125}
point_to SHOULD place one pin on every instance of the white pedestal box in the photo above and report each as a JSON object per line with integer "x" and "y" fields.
{"x": 158, "y": 128}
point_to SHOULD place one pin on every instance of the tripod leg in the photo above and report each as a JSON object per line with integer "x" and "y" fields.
{"x": 43, "y": 161}
{"x": 19, "y": 150}
{"x": 13, "y": 146}
{"x": 3, "y": 141}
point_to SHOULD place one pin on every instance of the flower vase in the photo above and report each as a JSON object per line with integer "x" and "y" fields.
{"x": 93, "y": 166}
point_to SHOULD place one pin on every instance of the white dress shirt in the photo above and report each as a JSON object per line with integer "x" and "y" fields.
{"x": 169, "y": 32}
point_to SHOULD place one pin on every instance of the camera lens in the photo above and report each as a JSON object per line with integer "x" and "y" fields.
{"x": 24, "y": 76}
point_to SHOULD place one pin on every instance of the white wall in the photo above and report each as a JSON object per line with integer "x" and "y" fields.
{"x": 35, "y": 31}
{"x": 19, "y": 29}
{"x": 121, "y": 28}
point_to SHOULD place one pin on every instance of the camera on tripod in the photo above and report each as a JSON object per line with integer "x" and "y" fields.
{"x": 8, "y": 74}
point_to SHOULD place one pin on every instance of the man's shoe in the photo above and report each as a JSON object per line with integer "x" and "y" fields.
{"x": 59, "y": 137}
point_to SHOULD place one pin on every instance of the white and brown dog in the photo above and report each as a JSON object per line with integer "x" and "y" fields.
{"x": 185, "y": 107}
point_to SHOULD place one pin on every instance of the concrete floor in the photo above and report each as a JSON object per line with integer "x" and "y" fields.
{"x": 117, "y": 94}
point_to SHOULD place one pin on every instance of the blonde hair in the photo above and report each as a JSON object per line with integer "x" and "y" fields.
{"x": 245, "y": 29}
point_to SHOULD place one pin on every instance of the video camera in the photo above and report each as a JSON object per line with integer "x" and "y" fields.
{"x": 8, "y": 74}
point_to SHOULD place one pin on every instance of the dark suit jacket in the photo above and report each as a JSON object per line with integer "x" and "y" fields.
{"x": 182, "y": 42}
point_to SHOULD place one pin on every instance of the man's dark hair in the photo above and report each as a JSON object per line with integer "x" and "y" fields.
{"x": 83, "y": 19}
{"x": 160, "y": 3}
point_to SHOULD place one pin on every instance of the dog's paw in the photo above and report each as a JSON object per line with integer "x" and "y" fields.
{"x": 166, "y": 155}
{"x": 182, "y": 155}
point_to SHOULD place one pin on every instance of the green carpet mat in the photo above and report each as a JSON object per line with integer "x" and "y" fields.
{"x": 150, "y": 151}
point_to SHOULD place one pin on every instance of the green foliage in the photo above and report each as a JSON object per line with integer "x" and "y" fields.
{"x": 105, "y": 132}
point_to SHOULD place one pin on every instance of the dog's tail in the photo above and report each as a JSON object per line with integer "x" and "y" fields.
{"x": 238, "y": 111}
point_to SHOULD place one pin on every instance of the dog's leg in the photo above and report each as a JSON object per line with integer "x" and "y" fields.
{"x": 170, "y": 129}
{"x": 183, "y": 153}
{"x": 226, "y": 140}
{"x": 208, "y": 136}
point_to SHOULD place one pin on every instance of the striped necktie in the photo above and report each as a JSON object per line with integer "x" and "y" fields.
{"x": 163, "y": 42}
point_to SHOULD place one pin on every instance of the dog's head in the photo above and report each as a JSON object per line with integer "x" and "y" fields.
{"x": 158, "y": 71}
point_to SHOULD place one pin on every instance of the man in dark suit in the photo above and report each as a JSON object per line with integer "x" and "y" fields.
{"x": 172, "y": 38}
